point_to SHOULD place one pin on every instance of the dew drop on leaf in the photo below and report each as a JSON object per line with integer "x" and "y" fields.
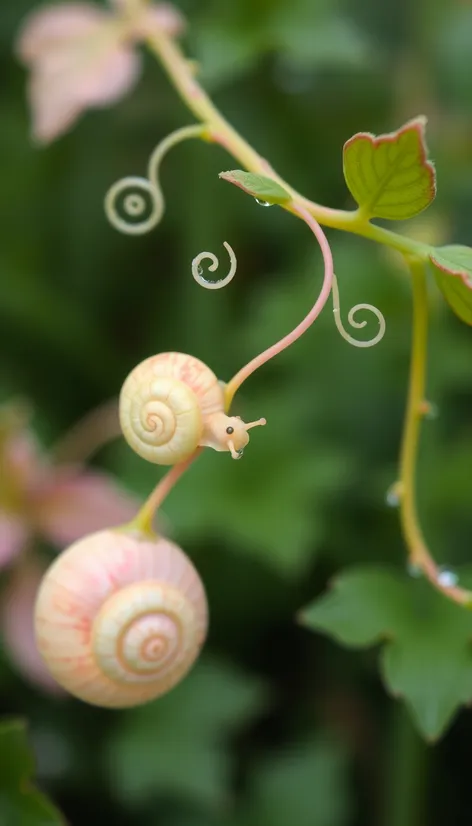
{"x": 261, "y": 203}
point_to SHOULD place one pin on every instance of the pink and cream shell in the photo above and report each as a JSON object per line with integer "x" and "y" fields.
{"x": 163, "y": 406}
{"x": 120, "y": 619}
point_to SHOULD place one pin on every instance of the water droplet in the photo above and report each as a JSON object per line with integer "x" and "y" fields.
{"x": 447, "y": 578}
{"x": 414, "y": 570}
{"x": 200, "y": 270}
{"x": 261, "y": 203}
{"x": 429, "y": 410}
{"x": 393, "y": 495}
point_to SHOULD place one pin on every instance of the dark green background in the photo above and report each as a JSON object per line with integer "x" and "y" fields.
{"x": 278, "y": 726}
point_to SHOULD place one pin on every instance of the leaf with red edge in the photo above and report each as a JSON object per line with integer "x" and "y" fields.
{"x": 264, "y": 189}
{"x": 452, "y": 266}
{"x": 390, "y": 175}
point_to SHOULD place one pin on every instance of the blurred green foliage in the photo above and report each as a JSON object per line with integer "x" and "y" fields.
{"x": 20, "y": 803}
{"x": 276, "y": 725}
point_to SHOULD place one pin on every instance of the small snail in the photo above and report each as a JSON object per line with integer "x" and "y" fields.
{"x": 172, "y": 403}
{"x": 120, "y": 618}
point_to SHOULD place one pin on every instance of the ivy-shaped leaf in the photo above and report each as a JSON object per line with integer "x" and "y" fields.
{"x": 390, "y": 176}
{"x": 452, "y": 268}
{"x": 21, "y": 804}
{"x": 426, "y": 657}
{"x": 180, "y": 744}
{"x": 265, "y": 190}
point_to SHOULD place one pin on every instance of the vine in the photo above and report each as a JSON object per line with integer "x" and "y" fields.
{"x": 172, "y": 405}
{"x": 215, "y": 128}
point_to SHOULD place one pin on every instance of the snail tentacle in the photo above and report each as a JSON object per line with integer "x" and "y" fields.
{"x": 357, "y": 324}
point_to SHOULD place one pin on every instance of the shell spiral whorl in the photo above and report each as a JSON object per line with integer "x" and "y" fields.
{"x": 120, "y": 619}
{"x": 163, "y": 403}
{"x": 159, "y": 414}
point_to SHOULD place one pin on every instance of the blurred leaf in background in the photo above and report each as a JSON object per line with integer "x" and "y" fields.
{"x": 20, "y": 803}
{"x": 278, "y": 791}
{"x": 181, "y": 745}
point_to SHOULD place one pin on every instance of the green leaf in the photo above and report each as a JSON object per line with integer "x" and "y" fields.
{"x": 426, "y": 657}
{"x": 263, "y": 189}
{"x": 180, "y": 744}
{"x": 20, "y": 803}
{"x": 452, "y": 268}
{"x": 305, "y": 785}
{"x": 390, "y": 176}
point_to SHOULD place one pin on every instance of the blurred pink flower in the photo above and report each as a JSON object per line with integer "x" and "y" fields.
{"x": 81, "y": 56}
{"x": 17, "y": 624}
{"x": 58, "y": 503}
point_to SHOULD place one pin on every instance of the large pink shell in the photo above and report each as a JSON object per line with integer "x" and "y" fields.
{"x": 87, "y": 592}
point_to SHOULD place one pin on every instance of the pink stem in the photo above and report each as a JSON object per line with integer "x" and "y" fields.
{"x": 143, "y": 521}
{"x": 286, "y": 341}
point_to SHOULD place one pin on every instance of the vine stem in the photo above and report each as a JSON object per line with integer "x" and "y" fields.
{"x": 181, "y": 73}
{"x": 286, "y": 341}
{"x": 144, "y": 519}
{"x": 419, "y": 553}
{"x": 87, "y": 436}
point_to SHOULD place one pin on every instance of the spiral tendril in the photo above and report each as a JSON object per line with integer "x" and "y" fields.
{"x": 145, "y": 193}
{"x": 357, "y": 324}
{"x": 221, "y": 282}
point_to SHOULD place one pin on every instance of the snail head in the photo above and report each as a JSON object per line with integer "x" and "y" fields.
{"x": 228, "y": 433}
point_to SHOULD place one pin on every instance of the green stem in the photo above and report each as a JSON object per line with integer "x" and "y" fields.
{"x": 419, "y": 553}
{"x": 181, "y": 73}
{"x": 407, "y": 772}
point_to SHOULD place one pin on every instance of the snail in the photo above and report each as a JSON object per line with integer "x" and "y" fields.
{"x": 120, "y": 618}
{"x": 172, "y": 403}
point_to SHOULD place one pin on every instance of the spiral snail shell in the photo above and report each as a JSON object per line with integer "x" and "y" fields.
{"x": 172, "y": 403}
{"x": 120, "y": 618}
